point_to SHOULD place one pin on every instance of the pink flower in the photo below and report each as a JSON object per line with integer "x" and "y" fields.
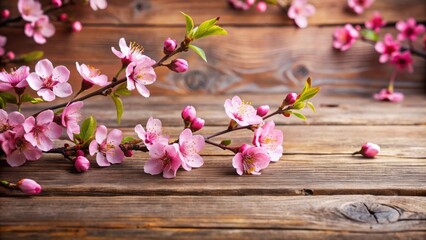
{"x": 244, "y": 114}
{"x": 29, "y": 186}
{"x": 402, "y": 61}
{"x": 197, "y": 124}
{"x": 261, "y": 7}
{"x": 57, "y": 3}
{"x": 139, "y": 74}
{"x": 76, "y": 26}
{"x": 386, "y": 95}
{"x": 270, "y": 139}
{"x": 179, "y": 65}
{"x": 299, "y": 11}
{"x": 376, "y": 22}
{"x": 344, "y": 38}
{"x": 70, "y": 118}
{"x": 98, "y": 4}
{"x": 40, "y": 29}
{"x": 16, "y": 79}
{"x": 164, "y": 159}
{"x": 358, "y": 6}
{"x": 49, "y": 81}
{"x": 30, "y": 10}
{"x": 10, "y": 121}
{"x": 189, "y": 147}
{"x": 81, "y": 164}
{"x": 107, "y": 148}
{"x": 241, "y": 4}
{"x": 41, "y": 130}
{"x": 5, "y": 13}
{"x": 3, "y": 41}
{"x": 369, "y": 150}
{"x": 250, "y": 160}
{"x": 387, "y": 47}
{"x": 128, "y": 54}
{"x": 91, "y": 76}
{"x": 152, "y": 134}
{"x": 409, "y": 29}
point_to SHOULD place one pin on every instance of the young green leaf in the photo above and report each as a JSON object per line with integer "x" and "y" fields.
{"x": 122, "y": 90}
{"x": 199, "y": 51}
{"x": 118, "y": 106}
{"x": 204, "y": 27}
{"x": 370, "y": 35}
{"x": 2, "y": 103}
{"x": 272, "y": 2}
{"x": 214, "y": 30}
{"x": 127, "y": 139}
{"x": 37, "y": 100}
{"x": 299, "y": 105}
{"x": 308, "y": 94}
{"x": 26, "y": 98}
{"x": 88, "y": 128}
{"x": 31, "y": 56}
{"x": 8, "y": 98}
{"x": 311, "y": 106}
{"x": 299, "y": 115}
{"x": 189, "y": 23}
{"x": 226, "y": 142}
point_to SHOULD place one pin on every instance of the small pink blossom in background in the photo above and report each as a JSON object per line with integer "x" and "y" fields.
{"x": 30, "y": 10}
{"x": 152, "y": 134}
{"x": 402, "y": 61}
{"x": 262, "y": 110}
{"x": 41, "y": 130}
{"x": 10, "y": 55}
{"x": 189, "y": 113}
{"x": 244, "y": 114}
{"x": 299, "y": 11}
{"x": 98, "y": 4}
{"x": 270, "y": 139}
{"x": 16, "y": 79}
{"x": 387, "y": 47}
{"x": 76, "y": 26}
{"x": 3, "y": 41}
{"x": 164, "y": 159}
{"x": 63, "y": 17}
{"x": 386, "y": 95}
{"x": 70, "y": 118}
{"x": 179, "y": 65}
{"x": 169, "y": 45}
{"x": 261, "y": 7}
{"x": 50, "y": 82}
{"x": 250, "y": 160}
{"x": 409, "y": 29}
{"x": 376, "y": 22}
{"x": 344, "y": 38}
{"x": 29, "y": 186}
{"x": 81, "y": 164}
{"x": 91, "y": 76}
{"x": 17, "y": 149}
{"x": 241, "y": 4}
{"x": 57, "y": 3}
{"x": 189, "y": 147}
{"x": 139, "y": 74}
{"x": 358, "y": 6}
{"x": 5, "y": 13}
{"x": 369, "y": 150}
{"x": 128, "y": 54}
{"x": 197, "y": 124}
{"x": 40, "y": 29}
{"x": 107, "y": 147}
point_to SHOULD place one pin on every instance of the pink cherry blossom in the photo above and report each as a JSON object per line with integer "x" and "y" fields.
{"x": 271, "y": 139}
{"x": 402, "y": 61}
{"x": 128, "y": 54}
{"x": 387, "y": 47}
{"x": 261, "y": 7}
{"x": 16, "y": 79}
{"x": 244, "y": 114}
{"x": 241, "y": 4}
{"x": 152, "y": 134}
{"x": 41, "y": 130}
{"x": 344, "y": 38}
{"x": 70, "y": 118}
{"x": 409, "y": 29}
{"x": 387, "y": 95}
{"x": 92, "y": 76}
{"x": 30, "y": 10}
{"x": 164, "y": 159}
{"x": 107, "y": 148}
{"x": 299, "y": 11}
{"x": 98, "y": 4}
{"x": 139, "y": 74}
{"x": 10, "y": 121}
{"x": 50, "y": 82}
{"x": 250, "y": 160}
{"x": 3, "y": 41}
{"x": 40, "y": 29}
{"x": 29, "y": 186}
{"x": 189, "y": 147}
{"x": 358, "y": 6}
{"x": 376, "y": 22}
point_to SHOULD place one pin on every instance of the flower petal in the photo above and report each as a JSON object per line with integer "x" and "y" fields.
{"x": 61, "y": 74}
{"x": 101, "y": 134}
{"x": 153, "y": 166}
{"x": 62, "y": 89}
{"x": 44, "y": 68}
{"x": 34, "y": 81}
{"x": 101, "y": 160}
{"x": 115, "y": 137}
{"x": 16, "y": 159}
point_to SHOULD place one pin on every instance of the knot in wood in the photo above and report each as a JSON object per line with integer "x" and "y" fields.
{"x": 373, "y": 213}
{"x": 196, "y": 80}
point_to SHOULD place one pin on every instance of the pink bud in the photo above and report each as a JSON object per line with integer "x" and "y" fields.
{"x": 81, "y": 164}
{"x": 5, "y": 13}
{"x": 79, "y": 153}
{"x": 128, "y": 153}
{"x": 197, "y": 124}
{"x": 10, "y": 55}
{"x": 179, "y": 65}
{"x": 189, "y": 113}
{"x": 369, "y": 150}
{"x": 57, "y": 3}
{"x": 262, "y": 110}
{"x": 291, "y": 98}
{"x": 250, "y": 2}
{"x": 29, "y": 186}
{"x": 76, "y": 26}
{"x": 261, "y": 7}
{"x": 244, "y": 147}
{"x": 63, "y": 17}
{"x": 169, "y": 45}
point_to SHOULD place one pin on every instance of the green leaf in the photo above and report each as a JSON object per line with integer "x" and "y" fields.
{"x": 31, "y": 56}
{"x": 37, "y": 100}
{"x": 311, "y": 106}
{"x": 299, "y": 115}
{"x": 370, "y": 35}
{"x": 199, "y": 51}
{"x": 122, "y": 90}
{"x": 127, "y": 139}
{"x": 2, "y": 103}
{"x": 88, "y": 128}
{"x": 26, "y": 98}
{"x": 189, "y": 23}
{"x": 9, "y": 98}
{"x": 308, "y": 94}
{"x": 214, "y": 30}
{"x": 204, "y": 27}
{"x": 272, "y": 2}
{"x": 226, "y": 142}
{"x": 118, "y": 106}
{"x": 299, "y": 105}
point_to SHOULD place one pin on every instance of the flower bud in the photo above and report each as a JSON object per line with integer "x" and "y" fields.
{"x": 57, "y": 3}
{"x": 244, "y": 147}
{"x": 290, "y": 98}
{"x": 261, "y": 7}
{"x": 5, "y": 13}
{"x": 10, "y": 55}
{"x": 81, "y": 164}
{"x": 29, "y": 186}
{"x": 197, "y": 124}
{"x": 179, "y": 65}
{"x": 286, "y": 114}
{"x": 369, "y": 150}
{"x": 128, "y": 153}
{"x": 63, "y": 17}
{"x": 189, "y": 113}
{"x": 262, "y": 110}
{"x": 250, "y": 2}
{"x": 76, "y": 26}
{"x": 79, "y": 153}
{"x": 169, "y": 45}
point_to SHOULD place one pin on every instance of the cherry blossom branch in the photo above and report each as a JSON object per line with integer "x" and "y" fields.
{"x": 402, "y": 48}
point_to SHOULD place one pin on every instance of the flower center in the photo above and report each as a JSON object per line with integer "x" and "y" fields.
{"x": 49, "y": 83}
{"x": 248, "y": 164}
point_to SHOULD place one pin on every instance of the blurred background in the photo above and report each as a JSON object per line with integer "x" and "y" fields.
{"x": 263, "y": 53}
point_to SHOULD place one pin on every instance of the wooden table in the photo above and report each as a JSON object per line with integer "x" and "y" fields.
{"x": 316, "y": 191}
